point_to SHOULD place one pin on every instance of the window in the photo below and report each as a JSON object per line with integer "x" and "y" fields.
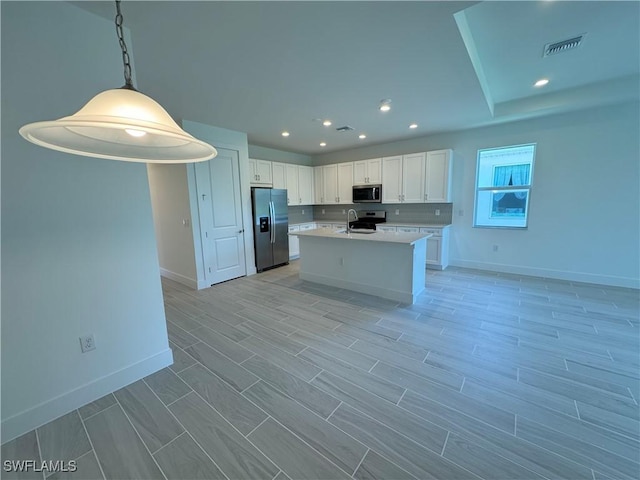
{"x": 503, "y": 184}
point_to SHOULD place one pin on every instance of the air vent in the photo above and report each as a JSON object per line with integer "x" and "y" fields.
{"x": 563, "y": 46}
{"x": 346, "y": 128}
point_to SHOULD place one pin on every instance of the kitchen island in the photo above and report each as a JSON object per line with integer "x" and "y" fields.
{"x": 385, "y": 264}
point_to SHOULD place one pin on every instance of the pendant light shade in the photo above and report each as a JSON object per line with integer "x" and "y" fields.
{"x": 121, "y": 124}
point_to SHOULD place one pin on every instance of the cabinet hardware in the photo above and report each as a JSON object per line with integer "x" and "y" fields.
{"x": 300, "y": 201}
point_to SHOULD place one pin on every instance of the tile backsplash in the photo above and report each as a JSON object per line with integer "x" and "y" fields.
{"x": 301, "y": 214}
{"x": 407, "y": 212}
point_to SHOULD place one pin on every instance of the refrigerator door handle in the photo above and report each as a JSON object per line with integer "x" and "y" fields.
{"x": 272, "y": 214}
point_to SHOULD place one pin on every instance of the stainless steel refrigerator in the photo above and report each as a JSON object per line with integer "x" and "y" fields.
{"x": 270, "y": 227}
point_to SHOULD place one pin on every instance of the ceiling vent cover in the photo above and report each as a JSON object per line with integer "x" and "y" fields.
{"x": 563, "y": 46}
{"x": 346, "y": 128}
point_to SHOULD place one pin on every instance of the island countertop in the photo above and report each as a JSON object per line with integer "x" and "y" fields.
{"x": 377, "y": 236}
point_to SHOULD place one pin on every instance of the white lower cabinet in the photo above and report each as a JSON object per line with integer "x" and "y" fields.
{"x": 386, "y": 229}
{"x": 437, "y": 247}
{"x": 294, "y": 243}
{"x": 408, "y": 229}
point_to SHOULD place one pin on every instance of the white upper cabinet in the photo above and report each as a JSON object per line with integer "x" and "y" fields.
{"x": 297, "y": 179}
{"x": 293, "y": 191}
{"x": 417, "y": 177}
{"x": 438, "y": 176}
{"x": 330, "y": 183}
{"x": 413, "y": 178}
{"x": 305, "y": 185}
{"x": 279, "y": 175}
{"x": 345, "y": 182}
{"x": 366, "y": 172}
{"x": 318, "y": 183}
{"x": 392, "y": 179}
{"x": 260, "y": 171}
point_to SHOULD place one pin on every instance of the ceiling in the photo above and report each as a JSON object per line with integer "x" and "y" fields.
{"x": 265, "y": 67}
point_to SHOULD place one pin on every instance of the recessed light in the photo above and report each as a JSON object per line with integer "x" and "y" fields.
{"x": 327, "y": 123}
{"x": 285, "y": 134}
{"x": 323, "y": 144}
{"x": 413, "y": 125}
{"x": 362, "y": 136}
{"x": 385, "y": 105}
{"x": 541, "y": 83}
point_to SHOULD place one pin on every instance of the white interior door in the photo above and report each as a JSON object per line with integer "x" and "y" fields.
{"x": 220, "y": 211}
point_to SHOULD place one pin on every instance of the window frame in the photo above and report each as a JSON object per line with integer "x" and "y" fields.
{"x": 507, "y": 188}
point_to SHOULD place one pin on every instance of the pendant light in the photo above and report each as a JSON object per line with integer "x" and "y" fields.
{"x": 121, "y": 124}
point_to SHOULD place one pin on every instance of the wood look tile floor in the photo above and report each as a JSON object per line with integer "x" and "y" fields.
{"x": 488, "y": 375}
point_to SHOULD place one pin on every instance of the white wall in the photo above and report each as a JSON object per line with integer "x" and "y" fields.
{"x": 172, "y": 219}
{"x": 78, "y": 247}
{"x": 584, "y": 217}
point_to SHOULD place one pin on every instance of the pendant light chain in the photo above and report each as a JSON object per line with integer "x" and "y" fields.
{"x": 123, "y": 47}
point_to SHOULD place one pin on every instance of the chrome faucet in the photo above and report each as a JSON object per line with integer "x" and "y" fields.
{"x": 355, "y": 217}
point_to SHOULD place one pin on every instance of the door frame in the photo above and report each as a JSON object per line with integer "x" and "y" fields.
{"x": 230, "y": 140}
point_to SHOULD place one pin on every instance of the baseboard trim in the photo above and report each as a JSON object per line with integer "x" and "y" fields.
{"x": 186, "y": 281}
{"x": 45, "y": 412}
{"x": 581, "y": 277}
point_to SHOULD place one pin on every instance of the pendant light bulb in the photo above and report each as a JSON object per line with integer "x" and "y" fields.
{"x": 120, "y": 124}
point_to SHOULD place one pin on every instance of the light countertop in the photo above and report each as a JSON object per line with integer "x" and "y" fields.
{"x": 378, "y": 236}
{"x": 388, "y": 224}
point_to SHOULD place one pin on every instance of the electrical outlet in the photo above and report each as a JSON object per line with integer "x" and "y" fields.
{"x": 437, "y": 212}
{"x": 397, "y": 211}
{"x": 341, "y": 261}
{"x": 323, "y": 211}
{"x": 87, "y": 343}
{"x": 495, "y": 248}
{"x": 344, "y": 211}
{"x": 461, "y": 213}
{"x": 303, "y": 212}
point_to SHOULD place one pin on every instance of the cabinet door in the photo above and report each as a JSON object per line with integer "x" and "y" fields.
{"x": 360, "y": 172}
{"x": 438, "y": 177}
{"x": 293, "y": 193}
{"x": 345, "y": 182}
{"x": 392, "y": 179}
{"x": 305, "y": 185}
{"x": 413, "y": 178}
{"x": 279, "y": 176}
{"x": 294, "y": 242}
{"x": 263, "y": 171}
{"x": 408, "y": 229}
{"x": 330, "y": 183}
{"x": 386, "y": 229}
{"x": 374, "y": 171}
{"x": 318, "y": 184}
{"x": 434, "y": 251}
{"x": 260, "y": 171}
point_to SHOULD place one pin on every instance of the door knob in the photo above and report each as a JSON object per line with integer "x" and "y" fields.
{"x": 241, "y": 231}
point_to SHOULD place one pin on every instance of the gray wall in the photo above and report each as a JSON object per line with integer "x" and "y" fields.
{"x": 273, "y": 155}
{"x": 78, "y": 248}
{"x": 585, "y": 200}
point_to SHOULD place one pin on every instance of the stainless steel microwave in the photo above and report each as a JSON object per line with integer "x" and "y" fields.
{"x": 367, "y": 193}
